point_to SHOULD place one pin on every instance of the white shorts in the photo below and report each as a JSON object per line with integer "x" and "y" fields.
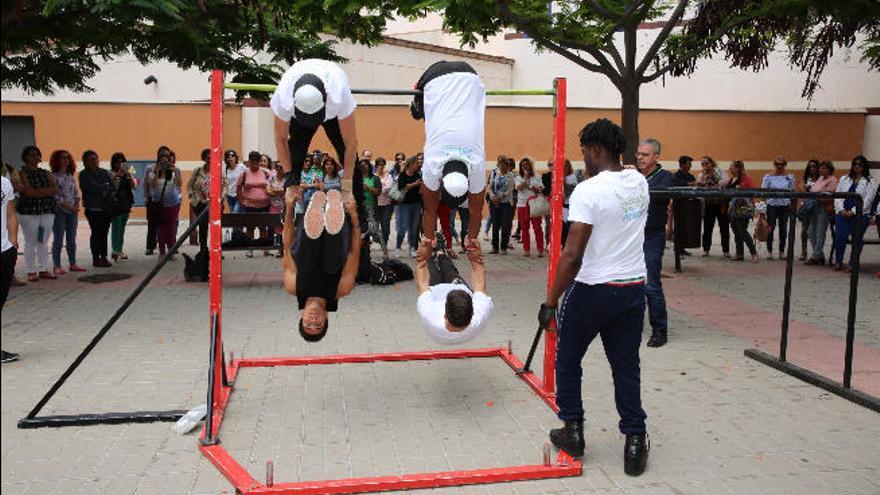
{"x": 432, "y": 173}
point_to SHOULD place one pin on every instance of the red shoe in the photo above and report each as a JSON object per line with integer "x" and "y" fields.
{"x": 101, "y": 263}
{"x": 46, "y": 274}
{"x": 58, "y": 271}
{"x": 33, "y": 277}
{"x": 77, "y": 268}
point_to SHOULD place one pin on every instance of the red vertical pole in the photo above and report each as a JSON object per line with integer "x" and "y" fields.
{"x": 557, "y": 197}
{"x": 216, "y": 234}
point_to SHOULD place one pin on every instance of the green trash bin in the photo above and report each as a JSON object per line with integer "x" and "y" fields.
{"x": 688, "y": 222}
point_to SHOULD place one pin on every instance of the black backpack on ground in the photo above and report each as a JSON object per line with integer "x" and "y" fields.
{"x": 196, "y": 269}
{"x": 402, "y": 271}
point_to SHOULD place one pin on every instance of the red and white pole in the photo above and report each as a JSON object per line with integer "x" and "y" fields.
{"x": 557, "y": 197}
{"x": 216, "y": 233}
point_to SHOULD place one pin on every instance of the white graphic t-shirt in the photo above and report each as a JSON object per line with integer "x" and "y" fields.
{"x": 340, "y": 102}
{"x": 455, "y": 106}
{"x": 616, "y": 205}
{"x": 432, "y": 310}
{"x": 7, "y": 195}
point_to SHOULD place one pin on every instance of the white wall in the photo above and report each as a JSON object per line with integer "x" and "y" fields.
{"x": 872, "y": 138}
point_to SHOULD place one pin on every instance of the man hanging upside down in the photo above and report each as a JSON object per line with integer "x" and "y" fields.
{"x": 321, "y": 256}
{"x": 453, "y": 104}
{"x": 451, "y": 312}
{"x": 314, "y": 93}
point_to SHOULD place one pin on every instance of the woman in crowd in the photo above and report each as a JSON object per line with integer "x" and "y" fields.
{"x": 572, "y": 179}
{"x": 741, "y": 211}
{"x": 124, "y": 185}
{"x": 332, "y": 178}
{"x": 312, "y": 177}
{"x": 501, "y": 201}
{"x": 253, "y": 193}
{"x": 811, "y": 174}
{"x": 67, "y": 205}
{"x": 276, "y": 198}
{"x": 399, "y": 160}
{"x": 165, "y": 184}
{"x": 198, "y": 189}
{"x": 715, "y": 208}
{"x": 822, "y": 212}
{"x": 384, "y": 205}
{"x": 528, "y": 185}
{"x": 372, "y": 190}
{"x": 486, "y": 228}
{"x": 232, "y": 173}
{"x": 36, "y": 212}
{"x": 410, "y": 208}
{"x": 778, "y": 209}
{"x": 847, "y": 224}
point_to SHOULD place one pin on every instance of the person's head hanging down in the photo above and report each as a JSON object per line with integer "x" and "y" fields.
{"x": 451, "y": 311}
{"x": 313, "y": 93}
{"x": 321, "y": 256}
{"x": 453, "y": 105}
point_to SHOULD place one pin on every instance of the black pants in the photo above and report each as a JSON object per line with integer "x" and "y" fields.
{"x": 442, "y": 270}
{"x": 327, "y": 253}
{"x": 8, "y": 266}
{"x": 385, "y": 213}
{"x": 203, "y": 226}
{"x": 501, "y": 222}
{"x": 152, "y": 229}
{"x": 713, "y": 213}
{"x": 301, "y": 139}
{"x": 777, "y": 214}
{"x": 99, "y": 223}
{"x": 741, "y": 236}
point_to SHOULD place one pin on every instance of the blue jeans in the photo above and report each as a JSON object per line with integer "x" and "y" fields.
{"x": 409, "y": 215}
{"x": 818, "y": 229}
{"x": 655, "y": 244}
{"x": 63, "y": 227}
{"x": 844, "y": 228}
{"x": 777, "y": 214}
{"x": 616, "y": 314}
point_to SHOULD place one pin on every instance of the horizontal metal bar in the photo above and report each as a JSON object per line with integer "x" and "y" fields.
{"x": 692, "y": 192}
{"x": 850, "y": 394}
{"x": 268, "y": 88}
{"x": 367, "y": 358}
{"x": 530, "y": 378}
{"x": 112, "y": 418}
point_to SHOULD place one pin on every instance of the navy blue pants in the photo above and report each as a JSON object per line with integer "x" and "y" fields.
{"x": 616, "y": 313}
{"x": 655, "y": 244}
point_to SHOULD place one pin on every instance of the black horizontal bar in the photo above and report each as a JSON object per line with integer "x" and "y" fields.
{"x": 401, "y": 92}
{"x": 112, "y": 418}
{"x": 850, "y": 394}
{"x": 693, "y": 192}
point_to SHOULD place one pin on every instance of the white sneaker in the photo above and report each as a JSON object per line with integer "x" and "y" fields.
{"x": 412, "y": 253}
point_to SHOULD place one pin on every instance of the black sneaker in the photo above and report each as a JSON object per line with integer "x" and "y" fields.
{"x": 635, "y": 454}
{"x": 8, "y": 357}
{"x": 657, "y": 340}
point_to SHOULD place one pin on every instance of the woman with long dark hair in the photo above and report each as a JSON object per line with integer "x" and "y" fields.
{"x": 528, "y": 186}
{"x": 811, "y": 175}
{"x": 847, "y": 224}
{"x": 822, "y": 212}
{"x": 410, "y": 208}
{"x": 198, "y": 189}
{"x": 36, "y": 212}
{"x": 67, "y": 208}
{"x": 715, "y": 209}
{"x": 741, "y": 211}
{"x": 124, "y": 185}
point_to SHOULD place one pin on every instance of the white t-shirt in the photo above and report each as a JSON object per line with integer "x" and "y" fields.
{"x": 432, "y": 311}
{"x": 523, "y": 196}
{"x": 616, "y": 205}
{"x": 8, "y": 195}
{"x": 340, "y": 102}
{"x": 232, "y": 178}
{"x": 455, "y": 107}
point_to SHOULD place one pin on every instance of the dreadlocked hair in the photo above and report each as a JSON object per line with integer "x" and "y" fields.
{"x": 605, "y": 134}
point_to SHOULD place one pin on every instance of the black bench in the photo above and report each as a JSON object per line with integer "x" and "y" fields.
{"x": 249, "y": 221}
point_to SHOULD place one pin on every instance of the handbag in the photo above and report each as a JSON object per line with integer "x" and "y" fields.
{"x": 806, "y": 208}
{"x": 762, "y": 229}
{"x": 539, "y": 206}
{"x": 396, "y": 194}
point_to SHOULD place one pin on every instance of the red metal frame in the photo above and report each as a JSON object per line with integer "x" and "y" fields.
{"x": 246, "y": 484}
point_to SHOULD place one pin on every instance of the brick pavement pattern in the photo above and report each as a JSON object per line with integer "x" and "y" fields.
{"x": 719, "y": 422}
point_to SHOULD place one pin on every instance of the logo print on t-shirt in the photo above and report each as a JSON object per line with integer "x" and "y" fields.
{"x": 633, "y": 206}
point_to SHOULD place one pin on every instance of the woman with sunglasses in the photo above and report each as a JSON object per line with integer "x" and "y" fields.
{"x": 847, "y": 224}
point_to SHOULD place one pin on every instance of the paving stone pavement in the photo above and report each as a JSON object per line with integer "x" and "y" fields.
{"x": 719, "y": 422}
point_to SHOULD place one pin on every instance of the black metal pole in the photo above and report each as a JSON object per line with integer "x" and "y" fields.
{"x": 858, "y": 234}
{"x": 107, "y": 326}
{"x": 525, "y": 368}
{"x": 212, "y": 362}
{"x": 789, "y": 267}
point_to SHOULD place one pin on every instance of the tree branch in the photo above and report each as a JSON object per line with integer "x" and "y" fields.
{"x": 604, "y": 64}
{"x": 611, "y": 49}
{"x": 708, "y": 42}
{"x": 661, "y": 38}
{"x": 604, "y": 12}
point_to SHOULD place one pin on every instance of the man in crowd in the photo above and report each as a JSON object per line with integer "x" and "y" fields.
{"x": 681, "y": 177}
{"x": 602, "y": 272}
{"x": 451, "y": 311}
{"x": 648, "y": 155}
{"x": 9, "y": 232}
{"x": 453, "y": 104}
{"x": 321, "y": 256}
{"x": 94, "y": 182}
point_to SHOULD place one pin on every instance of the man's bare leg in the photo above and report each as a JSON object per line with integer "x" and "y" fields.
{"x": 431, "y": 200}
{"x": 475, "y": 209}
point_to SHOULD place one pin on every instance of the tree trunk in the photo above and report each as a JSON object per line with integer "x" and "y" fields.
{"x": 629, "y": 118}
